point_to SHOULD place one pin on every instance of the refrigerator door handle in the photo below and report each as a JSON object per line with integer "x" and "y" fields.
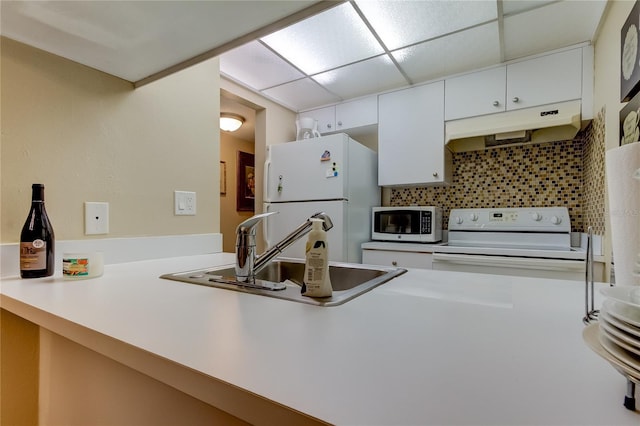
{"x": 265, "y": 234}
{"x": 265, "y": 181}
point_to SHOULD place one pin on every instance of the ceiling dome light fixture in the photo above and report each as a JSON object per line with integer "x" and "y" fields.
{"x": 230, "y": 122}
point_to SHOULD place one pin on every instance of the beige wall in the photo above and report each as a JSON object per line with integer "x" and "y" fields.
{"x": 607, "y": 86}
{"x": 229, "y": 216}
{"x": 82, "y": 387}
{"x": 607, "y": 68}
{"x": 20, "y": 348}
{"x": 89, "y": 136}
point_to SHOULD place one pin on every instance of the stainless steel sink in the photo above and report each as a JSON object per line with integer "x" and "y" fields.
{"x": 348, "y": 280}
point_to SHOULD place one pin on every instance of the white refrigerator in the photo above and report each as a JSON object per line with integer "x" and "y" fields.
{"x": 333, "y": 174}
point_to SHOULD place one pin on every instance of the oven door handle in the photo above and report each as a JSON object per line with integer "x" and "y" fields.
{"x": 510, "y": 262}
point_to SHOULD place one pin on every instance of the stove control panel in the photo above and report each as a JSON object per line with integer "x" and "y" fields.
{"x": 538, "y": 219}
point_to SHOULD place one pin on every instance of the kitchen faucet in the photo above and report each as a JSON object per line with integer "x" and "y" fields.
{"x": 248, "y": 264}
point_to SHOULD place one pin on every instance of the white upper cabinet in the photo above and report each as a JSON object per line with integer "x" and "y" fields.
{"x": 544, "y": 80}
{"x": 480, "y": 93}
{"x": 326, "y": 118}
{"x": 345, "y": 116}
{"x": 556, "y": 77}
{"x": 411, "y": 147}
{"x": 358, "y": 113}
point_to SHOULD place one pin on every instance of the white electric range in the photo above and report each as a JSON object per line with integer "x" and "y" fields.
{"x": 533, "y": 242}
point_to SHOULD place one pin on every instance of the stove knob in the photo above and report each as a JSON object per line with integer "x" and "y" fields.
{"x": 459, "y": 220}
{"x": 556, "y": 220}
{"x": 473, "y": 217}
{"x": 536, "y": 216}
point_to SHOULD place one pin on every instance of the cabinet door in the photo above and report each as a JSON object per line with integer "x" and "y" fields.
{"x": 402, "y": 259}
{"x": 326, "y": 118}
{"x": 411, "y": 136}
{"x": 544, "y": 80}
{"x": 474, "y": 94}
{"x": 362, "y": 112}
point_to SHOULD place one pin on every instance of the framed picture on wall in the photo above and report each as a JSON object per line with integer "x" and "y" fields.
{"x": 223, "y": 178}
{"x": 246, "y": 182}
{"x": 629, "y": 117}
{"x": 629, "y": 55}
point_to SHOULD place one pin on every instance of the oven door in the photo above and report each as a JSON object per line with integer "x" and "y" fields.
{"x": 507, "y": 265}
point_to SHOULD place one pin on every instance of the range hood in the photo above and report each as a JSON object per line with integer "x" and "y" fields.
{"x": 555, "y": 122}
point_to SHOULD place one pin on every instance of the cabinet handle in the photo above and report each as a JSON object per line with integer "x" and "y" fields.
{"x": 339, "y": 123}
{"x": 435, "y": 174}
{"x": 394, "y": 263}
{"x": 328, "y": 126}
{"x": 516, "y": 99}
{"x": 496, "y": 103}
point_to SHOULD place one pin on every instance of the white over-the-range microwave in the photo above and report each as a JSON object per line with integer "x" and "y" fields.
{"x": 415, "y": 224}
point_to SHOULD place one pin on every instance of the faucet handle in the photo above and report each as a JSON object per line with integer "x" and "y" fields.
{"x": 249, "y": 225}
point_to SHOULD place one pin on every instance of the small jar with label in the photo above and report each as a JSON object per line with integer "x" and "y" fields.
{"x": 78, "y": 266}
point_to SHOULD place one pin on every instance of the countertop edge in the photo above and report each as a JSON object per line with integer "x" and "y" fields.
{"x": 211, "y": 390}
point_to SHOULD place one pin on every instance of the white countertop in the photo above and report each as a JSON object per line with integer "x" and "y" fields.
{"x": 429, "y": 347}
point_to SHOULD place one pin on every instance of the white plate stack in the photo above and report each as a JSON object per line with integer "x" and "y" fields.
{"x": 616, "y": 337}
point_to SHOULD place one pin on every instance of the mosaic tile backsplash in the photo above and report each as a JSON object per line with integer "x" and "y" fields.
{"x": 542, "y": 175}
{"x": 594, "y": 187}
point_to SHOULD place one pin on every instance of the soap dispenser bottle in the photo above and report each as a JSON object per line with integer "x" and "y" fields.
{"x": 316, "y": 269}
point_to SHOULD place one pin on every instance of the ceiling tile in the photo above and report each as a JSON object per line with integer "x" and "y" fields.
{"x": 469, "y": 49}
{"x": 363, "y": 78}
{"x": 325, "y": 41}
{"x": 301, "y": 94}
{"x": 134, "y": 39}
{"x": 243, "y": 62}
{"x": 510, "y": 7}
{"x": 565, "y": 23}
{"x": 400, "y": 23}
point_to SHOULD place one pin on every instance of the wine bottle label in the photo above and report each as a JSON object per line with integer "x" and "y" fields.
{"x": 33, "y": 255}
{"x": 75, "y": 267}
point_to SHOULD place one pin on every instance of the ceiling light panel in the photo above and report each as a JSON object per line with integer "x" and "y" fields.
{"x": 401, "y": 23}
{"x": 301, "y": 94}
{"x": 325, "y": 41}
{"x": 473, "y": 48}
{"x": 371, "y": 76}
{"x": 257, "y": 66}
{"x": 565, "y": 23}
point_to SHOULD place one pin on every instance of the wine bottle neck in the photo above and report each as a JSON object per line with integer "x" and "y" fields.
{"x": 37, "y": 193}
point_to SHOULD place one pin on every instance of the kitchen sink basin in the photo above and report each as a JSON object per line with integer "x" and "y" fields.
{"x": 285, "y": 277}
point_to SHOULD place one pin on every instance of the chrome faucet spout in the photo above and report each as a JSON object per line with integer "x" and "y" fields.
{"x": 248, "y": 264}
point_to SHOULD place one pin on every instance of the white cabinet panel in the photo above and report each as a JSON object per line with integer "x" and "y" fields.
{"x": 345, "y": 116}
{"x": 552, "y": 78}
{"x": 402, "y": 259}
{"x": 326, "y": 118}
{"x": 544, "y": 80}
{"x": 479, "y": 93}
{"x": 411, "y": 147}
{"x": 358, "y": 113}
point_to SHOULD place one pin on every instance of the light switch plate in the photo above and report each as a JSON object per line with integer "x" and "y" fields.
{"x": 184, "y": 203}
{"x": 96, "y": 218}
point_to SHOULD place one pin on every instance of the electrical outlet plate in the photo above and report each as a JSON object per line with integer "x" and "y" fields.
{"x": 96, "y": 218}
{"x": 184, "y": 203}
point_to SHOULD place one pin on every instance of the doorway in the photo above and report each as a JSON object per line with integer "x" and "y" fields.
{"x": 236, "y": 151}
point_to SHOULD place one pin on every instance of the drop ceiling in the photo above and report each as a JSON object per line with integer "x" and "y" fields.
{"x": 364, "y": 47}
{"x": 139, "y": 40}
{"x": 301, "y": 53}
